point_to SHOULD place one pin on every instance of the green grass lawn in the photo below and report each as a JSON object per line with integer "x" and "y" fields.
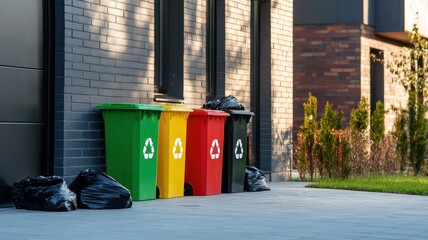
{"x": 380, "y": 183}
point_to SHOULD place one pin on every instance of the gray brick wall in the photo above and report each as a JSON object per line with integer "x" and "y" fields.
{"x": 194, "y": 71}
{"x": 104, "y": 53}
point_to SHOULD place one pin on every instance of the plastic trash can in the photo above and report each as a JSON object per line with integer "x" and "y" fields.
{"x": 204, "y": 155}
{"x": 172, "y": 151}
{"x": 131, "y": 139}
{"x": 235, "y": 152}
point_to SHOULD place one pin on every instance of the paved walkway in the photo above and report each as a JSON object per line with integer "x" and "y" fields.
{"x": 288, "y": 211}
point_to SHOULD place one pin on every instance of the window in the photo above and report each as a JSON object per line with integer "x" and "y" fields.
{"x": 169, "y": 49}
{"x": 376, "y": 79}
{"x": 261, "y": 89}
{"x": 215, "y": 49}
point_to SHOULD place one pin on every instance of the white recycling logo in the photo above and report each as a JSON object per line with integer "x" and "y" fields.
{"x": 239, "y": 150}
{"x": 149, "y": 149}
{"x": 177, "y": 150}
{"x": 215, "y": 149}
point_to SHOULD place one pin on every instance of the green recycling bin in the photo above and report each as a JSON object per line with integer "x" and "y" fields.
{"x": 131, "y": 139}
{"x": 235, "y": 151}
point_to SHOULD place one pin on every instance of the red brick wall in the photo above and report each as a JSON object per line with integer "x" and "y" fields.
{"x": 326, "y": 64}
{"x": 333, "y": 63}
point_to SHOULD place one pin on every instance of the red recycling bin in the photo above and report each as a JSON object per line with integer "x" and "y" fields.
{"x": 204, "y": 151}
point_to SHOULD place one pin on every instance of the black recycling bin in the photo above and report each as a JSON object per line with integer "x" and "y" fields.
{"x": 235, "y": 151}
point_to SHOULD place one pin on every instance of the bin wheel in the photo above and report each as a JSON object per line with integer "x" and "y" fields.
{"x": 188, "y": 189}
{"x": 157, "y": 192}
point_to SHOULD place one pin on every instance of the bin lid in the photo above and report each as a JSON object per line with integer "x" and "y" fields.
{"x": 129, "y": 106}
{"x": 176, "y": 108}
{"x": 239, "y": 112}
{"x": 209, "y": 112}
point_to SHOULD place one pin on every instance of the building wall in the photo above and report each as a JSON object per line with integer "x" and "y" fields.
{"x": 238, "y": 75}
{"x": 333, "y": 63}
{"x": 330, "y": 11}
{"x": 105, "y": 53}
{"x": 327, "y": 65}
{"x": 394, "y": 93}
{"x": 195, "y": 77}
{"x": 238, "y": 50}
{"x": 282, "y": 87}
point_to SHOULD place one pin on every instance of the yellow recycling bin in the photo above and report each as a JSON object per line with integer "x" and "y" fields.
{"x": 172, "y": 151}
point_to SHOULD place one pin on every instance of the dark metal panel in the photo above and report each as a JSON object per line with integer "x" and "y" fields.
{"x": 372, "y": 12}
{"x": 21, "y": 33}
{"x": 389, "y": 15}
{"x": 314, "y": 11}
{"x": 23, "y": 91}
{"x": 20, "y": 154}
{"x": 349, "y": 11}
{"x": 21, "y": 95}
{"x": 328, "y": 11}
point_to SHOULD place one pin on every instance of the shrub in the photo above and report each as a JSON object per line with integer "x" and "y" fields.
{"x": 359, "y": 138}
{"x": 409, "y": 67}
{"x": 377, "y": 124}
{"x": 308, "y": 129}
{"x": 360, "y": 116}
{"x": 400, "y": 136}
{"x": 326, "y": 147}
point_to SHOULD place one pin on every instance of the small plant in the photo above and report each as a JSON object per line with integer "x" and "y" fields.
{"x": 409, "y": 67}
{"x": 302, "y": 158}
{"x": 309, "y": 128}
{"x": 400, "y": 136}
{"x": 326, "y": 145}
{"x": 420, "y": 140}
{"x": 359, "y": 138}
{"x": 343, "y": 147}
{"x": 377, "y": 124}
{"x": 360, "y": 116}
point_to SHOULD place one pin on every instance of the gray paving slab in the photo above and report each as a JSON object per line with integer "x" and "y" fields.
{"x": 288, "y": 211}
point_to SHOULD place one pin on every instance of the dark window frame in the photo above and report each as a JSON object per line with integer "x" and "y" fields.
{"x": 377, "y": 79}
{"x": 49, "y": 66}
{"x": 261, "y": 86}
{"x": 215, "y": 49}
{"x": 169, "y": 50}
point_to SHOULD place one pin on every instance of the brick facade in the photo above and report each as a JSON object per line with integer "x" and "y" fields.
{"x": 105, "y": 53}
{"x": 105, "y": 50}
{"x": 281, "y": 87}
{"x": 394, "y": 93}
{"x": 326, "y": 64}
{"x": 194, "y": 53}
{"x": 238, "y": 50}
{"x": 333, "y": 63}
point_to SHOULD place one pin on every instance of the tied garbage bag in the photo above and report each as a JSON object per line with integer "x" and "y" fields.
{"x": 43, "y": 193}
{"x": 230, "y": 102}
{"x": 255, "y": 180}
{"x": 96, "y": 190}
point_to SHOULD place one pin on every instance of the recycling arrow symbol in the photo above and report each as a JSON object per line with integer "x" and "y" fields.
{"x": 149, "y": 149}
{"x": 177, "y": 150}
{"x": 239, "y": 150}
{"x": 215, "y": 149}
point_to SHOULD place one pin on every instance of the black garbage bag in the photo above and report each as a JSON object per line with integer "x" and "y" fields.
{"x": 96, "y": 190}
{"x": 17, "y": 191}
{"x": 230, "y": 102}
{"x": 43, "y": 193}
{"x": 255, "y": 180}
